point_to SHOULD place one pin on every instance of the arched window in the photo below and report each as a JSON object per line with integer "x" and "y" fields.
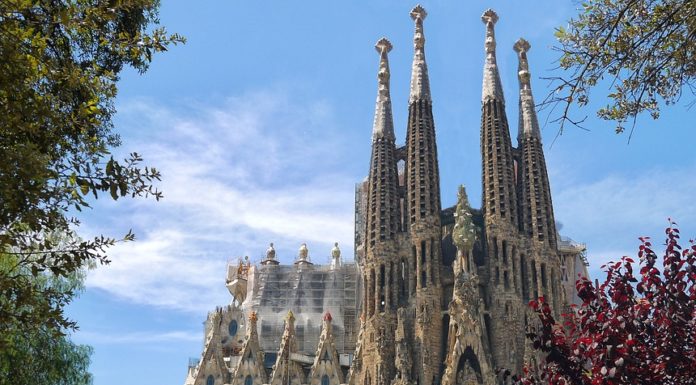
{"x": 248, "y": 380}
{"x": 210, "y": 380}
{"x": 325, "y": 380}
{"x": 232, "y": 328}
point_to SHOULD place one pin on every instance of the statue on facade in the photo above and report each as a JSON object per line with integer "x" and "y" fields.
{"x": 270, "y": 252}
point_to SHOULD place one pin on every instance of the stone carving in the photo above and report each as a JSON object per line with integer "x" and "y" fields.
{"x": 270, "y": 252}
{"x": 303, "y": 253}
{"x": 335, "y": 252}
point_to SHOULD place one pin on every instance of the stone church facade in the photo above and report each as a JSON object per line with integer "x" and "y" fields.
{"x": 435, "y": 296}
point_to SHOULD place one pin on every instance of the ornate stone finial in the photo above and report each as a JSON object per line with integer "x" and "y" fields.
{"x": 270, "y": 252}
{"x": 253, "y": 317}
{"x": 383, "y": 126}
{"x": 290, "y": 317}
{"x": 490, "y": 18}
{"x": 522, "y": 46}
{"x": 303, "y": 253}
{"x": 418, "y": 14}
{"x": 383, "y": 46}
{"x": 327, "y": 317}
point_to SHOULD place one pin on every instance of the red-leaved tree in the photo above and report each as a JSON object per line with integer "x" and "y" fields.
{"x": 629, "y": 329}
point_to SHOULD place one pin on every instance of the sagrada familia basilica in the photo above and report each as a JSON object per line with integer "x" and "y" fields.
{"x": 434, "y": 296}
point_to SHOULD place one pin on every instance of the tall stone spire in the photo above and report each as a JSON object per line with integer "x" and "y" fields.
{"x": 529, "y": 124}
{"x": 537, "y": 210}
{"x": 420, "y": 84}
{"x": 383, "y": 126}
{"x": 381, "y": 247}
{"x": 499, "y": 195}
{"x": 382, "y": 218}
{"x": 423, "y": 213}
{"x": 492, "y": 88}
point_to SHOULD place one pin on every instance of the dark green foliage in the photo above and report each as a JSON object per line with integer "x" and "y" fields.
{"x": 59, "y": 64}
{"x": 39, "y": 355}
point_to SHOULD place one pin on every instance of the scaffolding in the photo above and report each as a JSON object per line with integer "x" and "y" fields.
{"x": 309, "y": 291}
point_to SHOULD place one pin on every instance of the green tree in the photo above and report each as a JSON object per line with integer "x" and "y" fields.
{"x": 36, "y": 355}
{"x": 60, "y": 61}
{"x": 644, "y": 51}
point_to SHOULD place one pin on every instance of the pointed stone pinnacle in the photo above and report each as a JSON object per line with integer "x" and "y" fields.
{"x": 521, "y": 45}
{"x": 418, "y": 12}
{"x": 383, "y": 125}
{"x": 489, "y": 16}
{"x": 529, "y": 124}
{"x": 383, "y": 45}
{"x": 420, "y": 84}
{"x": 492, "y": 89}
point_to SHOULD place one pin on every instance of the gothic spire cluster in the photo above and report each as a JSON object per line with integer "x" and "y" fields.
{"x": 436, "y": 296}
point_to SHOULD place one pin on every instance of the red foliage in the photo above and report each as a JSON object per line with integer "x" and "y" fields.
{"x": 628, "y": 330}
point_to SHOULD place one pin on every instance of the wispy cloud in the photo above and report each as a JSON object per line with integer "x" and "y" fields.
{"x": 138, "y": 337}
{"x": 236, "y": 175}
{"x": 611, "y": 212}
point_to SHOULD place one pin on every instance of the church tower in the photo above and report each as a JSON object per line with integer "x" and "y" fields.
{"x": 382, "y": 224}
{"x": 537, "y": 219}
{"x": 423, "y": 213}
{"x": 499, "y": 199}
{"x": 503, "y": 262}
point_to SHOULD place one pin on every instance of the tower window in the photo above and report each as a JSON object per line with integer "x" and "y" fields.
{"x": 324, "y": 380}
{"x": 248, "y": 380}
{"x": 233, "y": 327}
{"x": 210, "y": 380}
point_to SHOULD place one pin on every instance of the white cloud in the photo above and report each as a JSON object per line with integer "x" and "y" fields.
{"x": 237, "y": 175}
{"x": 137, "y": 337}
{"x": 610, "y": 213}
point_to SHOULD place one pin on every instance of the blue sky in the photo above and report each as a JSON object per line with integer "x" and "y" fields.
{"x": 261, "y": 126}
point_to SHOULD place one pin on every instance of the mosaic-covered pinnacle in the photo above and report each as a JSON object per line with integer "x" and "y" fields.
{"x": 529, "y": 123}
{"x": 420, "y": 84}
{"x": 492, "y": 88}
{"x": 383, "y": 126}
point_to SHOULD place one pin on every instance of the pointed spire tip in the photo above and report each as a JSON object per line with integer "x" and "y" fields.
{"x": 489, "y": 16}
{"x": 521, "y": 45}
{"x": 418, "y": 12}
{"x": 383, "y": 45}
